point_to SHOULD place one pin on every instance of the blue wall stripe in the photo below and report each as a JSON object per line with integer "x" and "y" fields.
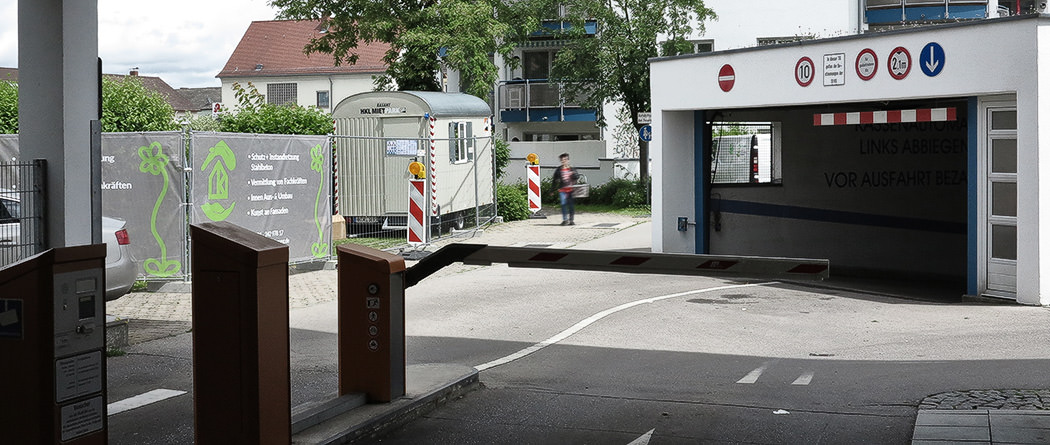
{"x": 971, "y": 191}
{"x": 700, "y": 183}
{"x": 836, "y": 216}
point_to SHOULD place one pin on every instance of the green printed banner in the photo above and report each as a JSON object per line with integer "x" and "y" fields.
{"x": 274, "y": 185}
{"x": 143, "y": 184}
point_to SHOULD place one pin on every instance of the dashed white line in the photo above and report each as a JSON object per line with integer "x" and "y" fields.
{"x": 644, "y": 439}
{"x": 594, "y": 318}
{"x": 804, "y": 379}
{"x": 141, "y": 400}
{"x": 753, "y": 376}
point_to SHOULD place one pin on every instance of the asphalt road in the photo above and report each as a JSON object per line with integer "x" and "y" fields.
{"x": 618, "y": 358}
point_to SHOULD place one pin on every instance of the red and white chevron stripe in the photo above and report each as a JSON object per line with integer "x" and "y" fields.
{"x": 433, "y": 170}
{"x": 416, "y": 229}
{"x": 885, "y": 117}
{"x": 533, "y": 174}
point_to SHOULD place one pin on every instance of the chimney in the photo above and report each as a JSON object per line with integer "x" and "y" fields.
{"x": 134, "y": 72}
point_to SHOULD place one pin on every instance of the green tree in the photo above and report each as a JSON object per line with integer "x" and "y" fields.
{"x": 423, "y": 35}
{"x": 127, "y": 105}
{"x": 8, "y": 107}
{"x": 254, "y": 115}
{"x": 613, "y": 66}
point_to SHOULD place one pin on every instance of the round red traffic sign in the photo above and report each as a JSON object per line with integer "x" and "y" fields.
{"x": 726, "y": 78}
{"x": 804, "y": 71}
{"x": 899, "y": 63}
{"x": 867, "y": 64}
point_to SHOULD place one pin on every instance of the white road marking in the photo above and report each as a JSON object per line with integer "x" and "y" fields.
{"x": 804, "y": 379}
{"x": 141, "y": 400}
{"x": 594, "y": 318}
{"x": 644, "y": 440}
{"x": 753, "y": 376}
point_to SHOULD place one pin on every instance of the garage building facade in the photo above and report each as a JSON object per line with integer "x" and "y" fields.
{"x": 910, "y": 153}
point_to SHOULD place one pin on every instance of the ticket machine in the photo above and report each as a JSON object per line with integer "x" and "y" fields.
{"x": 52, "y": 341}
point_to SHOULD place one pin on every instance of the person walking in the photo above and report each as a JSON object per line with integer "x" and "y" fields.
{"x": 565, "y": 178}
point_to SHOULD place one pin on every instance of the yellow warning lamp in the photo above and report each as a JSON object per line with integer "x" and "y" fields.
{"x": 533, "y": 159}
{"x": 417, "y": 170}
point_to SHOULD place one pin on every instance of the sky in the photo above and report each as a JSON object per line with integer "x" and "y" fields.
{"x": 185, "y": 43}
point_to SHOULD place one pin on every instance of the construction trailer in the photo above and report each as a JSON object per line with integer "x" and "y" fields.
{"x": 378, "y": 134}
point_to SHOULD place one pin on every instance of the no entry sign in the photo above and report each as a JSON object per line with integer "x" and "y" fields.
{"x": 726, "y": 78}
{"x": 899, "y": 63}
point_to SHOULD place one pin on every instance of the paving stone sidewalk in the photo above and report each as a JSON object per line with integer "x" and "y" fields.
{"x": 1009, "y": 399}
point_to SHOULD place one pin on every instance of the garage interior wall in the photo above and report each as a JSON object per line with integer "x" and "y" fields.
{"x": 870, "y": 198}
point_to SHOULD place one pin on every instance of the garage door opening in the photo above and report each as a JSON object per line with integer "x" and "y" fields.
{"x": 880, "y": 189}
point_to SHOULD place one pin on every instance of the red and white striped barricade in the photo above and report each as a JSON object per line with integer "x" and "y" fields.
{"x": 417, "y": 229}
{"x": 532, "y": 172}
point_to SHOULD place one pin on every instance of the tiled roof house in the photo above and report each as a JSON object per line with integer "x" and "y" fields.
{"x": 177, "y": 101}
{"x": 270, "y": 56}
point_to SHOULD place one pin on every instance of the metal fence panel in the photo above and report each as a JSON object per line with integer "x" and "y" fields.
{"x": 22, "y": 194}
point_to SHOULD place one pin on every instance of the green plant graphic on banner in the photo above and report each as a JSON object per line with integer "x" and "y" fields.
{"x": 320, "y": 248}
{"x": 219, "y": 181}
{"x": 155, "y": 163}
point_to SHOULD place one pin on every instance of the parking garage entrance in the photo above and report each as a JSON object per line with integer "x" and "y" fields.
{"x": 910, "y": 153}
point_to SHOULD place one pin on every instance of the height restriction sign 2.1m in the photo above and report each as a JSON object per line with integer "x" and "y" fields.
{"x": 899, "y": 63}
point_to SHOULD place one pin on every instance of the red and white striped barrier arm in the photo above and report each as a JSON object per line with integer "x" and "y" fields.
{"x": 611, "y": 261}
{"x": 433, "y": 170}
{"x": 885, "y": 117}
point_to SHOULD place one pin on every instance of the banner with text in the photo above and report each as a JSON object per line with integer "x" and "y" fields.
{"x": 275, "y": 185}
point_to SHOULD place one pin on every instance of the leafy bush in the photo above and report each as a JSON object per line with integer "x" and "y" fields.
{"x": 622, "y": 193}
{"x": 501, "y": 150}
{"x": 255, "y": 116}
{"x": 200, "y": 122}
{"x": 8, "y": 107}
{"x": 127, "y": 105}
{"x": 511, "y": 202}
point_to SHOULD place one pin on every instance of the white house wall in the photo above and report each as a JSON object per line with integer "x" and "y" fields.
{"x": 339, "y": 87}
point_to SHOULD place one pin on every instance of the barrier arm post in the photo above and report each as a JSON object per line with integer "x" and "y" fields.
{"x": 371, "y": 323}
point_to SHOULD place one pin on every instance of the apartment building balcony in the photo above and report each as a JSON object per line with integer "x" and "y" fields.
{"x": 539, "y": 101}
{"x": 896, "y": 12}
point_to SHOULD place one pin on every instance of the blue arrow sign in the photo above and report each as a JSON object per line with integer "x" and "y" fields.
{"x": 931, "y": 59}
{"x": 646, "y": 133}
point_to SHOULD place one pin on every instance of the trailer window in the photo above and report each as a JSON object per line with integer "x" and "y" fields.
{"x": 460, "y": 142}
{"x": 745, "y": 153}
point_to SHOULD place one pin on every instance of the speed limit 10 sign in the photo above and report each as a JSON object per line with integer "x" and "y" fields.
{"x": 804, "y": 71}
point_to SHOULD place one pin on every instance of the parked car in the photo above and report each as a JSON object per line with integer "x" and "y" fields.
{"x": 121, "y": 270}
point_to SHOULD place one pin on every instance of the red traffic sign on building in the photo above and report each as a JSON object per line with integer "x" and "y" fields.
{"x": 804, "y": 71}
{"x": 726, "y": 78}
{"x": 899, "y": 63}
{"x": 867, "y": 64}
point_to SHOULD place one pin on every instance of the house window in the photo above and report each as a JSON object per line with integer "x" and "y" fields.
{"x": 460, "y": 142}
{"x": 703, "y": 46}
{"x": 537, "y": 64}
{"x": 763, "y": 41}
{"x": 745, "y": 153}
{"x": 322, "y": 99}
{"x": 282, "y": 93}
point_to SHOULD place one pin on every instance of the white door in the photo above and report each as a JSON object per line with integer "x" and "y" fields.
{"x": 1001, "y": 195}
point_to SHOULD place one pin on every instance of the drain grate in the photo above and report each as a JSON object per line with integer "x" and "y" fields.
{"x": 605, "y": 225}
